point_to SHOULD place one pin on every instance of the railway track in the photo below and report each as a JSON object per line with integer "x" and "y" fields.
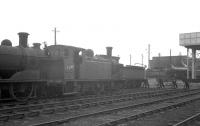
{"x": 190, "y": 121}
{"x": 108, "y": 107}
{"x": 108, "y": 116}
{"x": 68, "y": 98}
{"x": 53, "y": 107}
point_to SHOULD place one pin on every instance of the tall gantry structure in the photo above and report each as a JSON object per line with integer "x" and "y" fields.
{"x": 190, "y": 41}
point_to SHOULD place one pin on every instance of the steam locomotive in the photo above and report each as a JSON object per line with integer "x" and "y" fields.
{"x": 57, "y": 70}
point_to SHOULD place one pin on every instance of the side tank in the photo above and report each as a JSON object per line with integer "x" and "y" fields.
{"x": 15, "y": 59}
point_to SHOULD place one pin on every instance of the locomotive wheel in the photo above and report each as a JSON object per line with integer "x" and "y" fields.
{"x": 21, "y": 92}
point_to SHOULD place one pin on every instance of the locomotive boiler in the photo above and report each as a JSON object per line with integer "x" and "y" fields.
{"x": 57, "y": 70}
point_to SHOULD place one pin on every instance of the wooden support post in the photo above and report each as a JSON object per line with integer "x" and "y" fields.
{"x": 188, "y": 68}
{"x": 193, "y": 63}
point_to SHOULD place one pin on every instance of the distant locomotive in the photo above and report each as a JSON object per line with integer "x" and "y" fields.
{"x": 58, "y": 70}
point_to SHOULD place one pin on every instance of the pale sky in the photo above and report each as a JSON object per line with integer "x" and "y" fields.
{"x": 126, "y": 25}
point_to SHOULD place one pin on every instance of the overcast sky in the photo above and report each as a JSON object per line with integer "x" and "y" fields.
{"x": 126, "y": 25}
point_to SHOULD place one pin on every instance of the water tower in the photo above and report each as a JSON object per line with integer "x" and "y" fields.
{"x": 190, "y": 41}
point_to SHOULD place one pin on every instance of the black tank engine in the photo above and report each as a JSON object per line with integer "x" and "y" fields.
{"x": 57, "y": 70}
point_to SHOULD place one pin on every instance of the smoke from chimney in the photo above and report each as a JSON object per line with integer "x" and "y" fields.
{"x": 23, "y": 37}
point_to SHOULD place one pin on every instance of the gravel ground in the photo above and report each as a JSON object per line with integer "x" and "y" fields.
{"x": 169, "y": 117}
{"x": 67, "y": 114}
{"x": 117, "y": 115}
{"x": 43, "y": 117}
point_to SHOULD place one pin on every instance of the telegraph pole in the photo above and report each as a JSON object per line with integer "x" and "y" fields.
{"x": 149, "y": 55}
{"x": 130, "y": 59}
{"x": 142, "y": 59}
{"x": 55, "y": 40}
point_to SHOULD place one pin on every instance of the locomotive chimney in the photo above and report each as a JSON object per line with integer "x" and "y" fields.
{"x": 36, "y": 45}
{"x": 23, "y": 36}
{"x": 109, "y": 51}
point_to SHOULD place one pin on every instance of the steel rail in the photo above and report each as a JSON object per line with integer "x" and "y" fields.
{"x": 61, "y": 121}
{"x": 188, "y": 120}
{"x": 86, "y": 100}
{"x": 148, "y": 112}
{"x": 35, "y": 112}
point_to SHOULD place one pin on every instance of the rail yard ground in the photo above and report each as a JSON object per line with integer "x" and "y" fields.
{"x": 131, "y": 107}
{"x": 12, "y": 110}
{"x": 170, "y": 117}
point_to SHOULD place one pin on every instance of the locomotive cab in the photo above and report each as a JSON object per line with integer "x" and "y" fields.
{"x": 70, "y": 58}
